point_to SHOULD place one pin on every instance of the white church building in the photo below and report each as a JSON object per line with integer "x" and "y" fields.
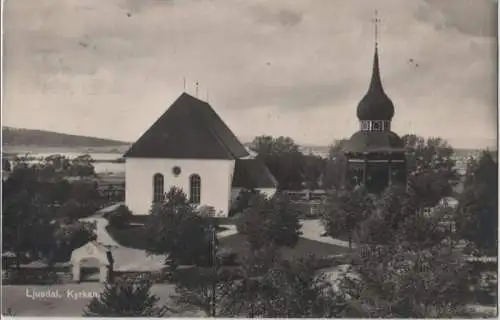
{"x": 191, "y": 148}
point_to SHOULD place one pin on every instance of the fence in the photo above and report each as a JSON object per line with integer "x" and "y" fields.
{"x": 306, "y": 195}
{"x": 307, "y": 208}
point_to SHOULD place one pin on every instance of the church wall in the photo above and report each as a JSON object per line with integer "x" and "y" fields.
{"x": 216, "y": 177}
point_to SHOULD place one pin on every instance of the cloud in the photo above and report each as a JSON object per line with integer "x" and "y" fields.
{"x": 476, "y": 18}
{"x": 295, "y": 68}
{"x": 283, "y": 17}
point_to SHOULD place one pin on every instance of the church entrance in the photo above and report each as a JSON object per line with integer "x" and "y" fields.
{"x": 90, "y": 270}
{"x": 92, "y": 262}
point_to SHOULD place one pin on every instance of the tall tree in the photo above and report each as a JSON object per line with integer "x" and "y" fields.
{"x": 175, "y": 230}
{"x": 477, "y": 214}
{"x": 335, "y": 166}
{"x": 272, "y": 220}
{"x": 40, "y": 208}
{"x": 283, "y": 158}
{"x": 26, "y": 220}
{"x": 345, "y": 210}
{"x": 314, "y": 166}
{"x": 431, "y": 168}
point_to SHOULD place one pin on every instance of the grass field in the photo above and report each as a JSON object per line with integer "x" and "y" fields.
{"x": 237, "y": 243}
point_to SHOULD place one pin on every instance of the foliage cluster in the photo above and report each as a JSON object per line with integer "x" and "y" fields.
{"x": 269, "y": 221}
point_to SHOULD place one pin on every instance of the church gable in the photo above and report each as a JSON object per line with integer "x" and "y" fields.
{"x": 252, "y": 173}
{"x": 189, "y": 129}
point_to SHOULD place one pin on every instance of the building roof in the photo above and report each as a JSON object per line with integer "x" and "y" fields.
{"x": 375, "y": 105}
{"x": 366, "y": 141}
{"x": 92, "y": 249}
{"x": 189, "y": 129}
{"x": 252, "y": 173}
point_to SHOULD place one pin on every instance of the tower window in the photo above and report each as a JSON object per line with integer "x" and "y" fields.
{"x": 387, "y": 125}
{"x": 195, "y": 189}
{"x": 365, "y": 125}
{"x": 158, "y": 187}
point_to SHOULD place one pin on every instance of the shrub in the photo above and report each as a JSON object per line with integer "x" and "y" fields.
{"x": 126, "y": 299}
{"x": 206, "y": 211}
{"x": 119, "y": 217}
{"x": 75, "y": 209}
{"x": 242, "y": 201}
{"x": 227, "y": 257}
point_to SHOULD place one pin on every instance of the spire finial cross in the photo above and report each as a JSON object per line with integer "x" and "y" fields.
{"x": 376, "y": 22}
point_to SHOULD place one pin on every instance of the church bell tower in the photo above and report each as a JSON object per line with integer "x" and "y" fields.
{"x": 375, "y": 154}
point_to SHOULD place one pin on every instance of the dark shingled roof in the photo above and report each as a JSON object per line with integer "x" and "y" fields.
{"x": 365, "y": 141}
{"x": 252, "y": 173}
{"x": 375, "y": 105}
{"x": 189, "y": 129}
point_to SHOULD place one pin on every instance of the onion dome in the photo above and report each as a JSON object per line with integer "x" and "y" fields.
{"x": 375, "y": 105}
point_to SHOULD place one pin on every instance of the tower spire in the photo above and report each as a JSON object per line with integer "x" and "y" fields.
{"x": 376, "y": 83}
{"x": 376, "y": 21}
{"x": 375, "y": 105}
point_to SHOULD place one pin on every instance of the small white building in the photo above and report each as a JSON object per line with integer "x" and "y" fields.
{"x": 191, "y": 148}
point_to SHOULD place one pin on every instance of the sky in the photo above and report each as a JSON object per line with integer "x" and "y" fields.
{"x": 293, "y": 68}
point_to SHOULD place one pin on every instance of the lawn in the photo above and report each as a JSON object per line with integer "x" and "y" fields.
{"x": 237, "y": 243}
{"x": 134, "y": 236}
{"x": 130, "y": 236}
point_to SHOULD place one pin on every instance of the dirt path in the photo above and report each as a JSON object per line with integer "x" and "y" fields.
{"x": 312, "y": 229}
{"x": 126, "y": 259}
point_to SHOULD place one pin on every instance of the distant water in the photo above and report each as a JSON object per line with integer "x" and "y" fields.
{"x": 100, "y": 167}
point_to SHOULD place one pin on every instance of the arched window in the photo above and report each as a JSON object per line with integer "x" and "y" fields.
{"x": 158, "y": 187}
{"x": 194, "y": 189}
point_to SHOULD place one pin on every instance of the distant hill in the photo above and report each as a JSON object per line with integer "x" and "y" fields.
{"x": 15, "y": 137}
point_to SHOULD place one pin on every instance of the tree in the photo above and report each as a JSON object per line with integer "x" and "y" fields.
{"x": 477, "y": 214}
{"x": 57, "y": 164}
{"x": 199, "y": 288}
{"x": 120, "y": 217}
{"x": 283, "y": 158}
{"x": 125, "y": 299}
{"x": 431, "y": 168}
{"x": 270, "y": 221}
{"x": 314, "y": 166}
{"x": 69, "y": 235}
{"x": 399, "y": 281}
{"x": 176, "y": 230}
{"x": 398, "y": 216}
{"x": 286, "y": 289}
{"x": 82, "y": 166}
{"x": 343, "y": 211}
{"x": 25, "y": 217}
{"x": 335, "y": 166}
{"x": 38, "y": 206}
{"x": 242, "y": 201}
